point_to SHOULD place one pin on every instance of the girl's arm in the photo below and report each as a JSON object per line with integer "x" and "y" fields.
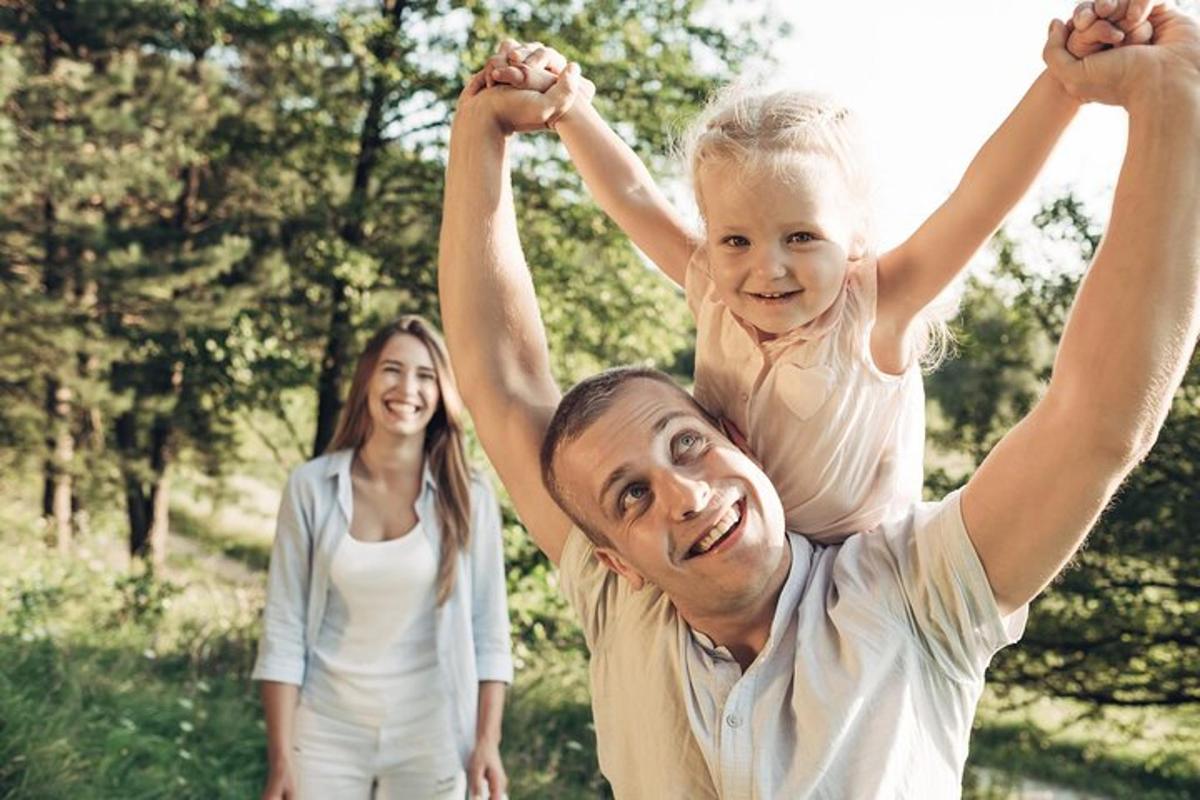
{"x": 912, "y": 275}
{"x": 623, "y": 187}
{"x": 612, "y": 172}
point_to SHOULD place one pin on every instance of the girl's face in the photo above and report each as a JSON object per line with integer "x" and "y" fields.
{"x": 403, "y": 394}
{"x": 778, "y": 242}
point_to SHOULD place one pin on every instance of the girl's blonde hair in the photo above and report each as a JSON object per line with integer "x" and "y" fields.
{"x": 445, "y": 450}
{"x": 767, "y": 132}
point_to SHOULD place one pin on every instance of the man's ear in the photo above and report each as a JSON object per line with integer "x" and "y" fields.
{"x": 613, "y": 560}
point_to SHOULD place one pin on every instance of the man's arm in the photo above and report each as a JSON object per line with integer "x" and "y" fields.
{"x": 912, "y": 274}
{"x": 1131, "y": 331}
{"x": 492, "y": 323}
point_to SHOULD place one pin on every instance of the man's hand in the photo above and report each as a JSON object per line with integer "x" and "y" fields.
{"x": 538, "y": 68}
{"x": 524, "y": 66}
{"x": 521, "y": 110}
{"x": 1120, "y": 75}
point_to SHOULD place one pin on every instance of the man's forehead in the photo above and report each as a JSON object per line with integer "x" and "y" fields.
{"x": 625, "y": 428}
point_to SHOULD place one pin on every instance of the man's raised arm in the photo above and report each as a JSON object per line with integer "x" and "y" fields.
{"x": 493, "y": 327}
{"x": 1131, "y": 331}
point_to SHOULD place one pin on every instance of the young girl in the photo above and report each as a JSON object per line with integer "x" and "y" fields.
{"x": 385, "y": 649}
{"x": 808, "y": 340}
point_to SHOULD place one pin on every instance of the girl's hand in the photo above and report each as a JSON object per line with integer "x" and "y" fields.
{"x": 521, "y": 110}
{"x": 539, "y": 68}
{"x": 279, "y": 783}
{"x": 483, "y": 767}
{"x": 1124, "y": 76}
{"x": 1102, "y": 24}
{"x": 524, "y": 66}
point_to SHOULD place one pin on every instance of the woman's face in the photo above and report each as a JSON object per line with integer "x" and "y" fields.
{"x": 403, "y": 394}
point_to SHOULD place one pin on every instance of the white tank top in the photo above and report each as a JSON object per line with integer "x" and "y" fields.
{"x": 375, "y": 658}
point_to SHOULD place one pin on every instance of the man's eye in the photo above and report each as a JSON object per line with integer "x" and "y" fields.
{"x": 633, "y": 494}
{"x": 687, "y": 442}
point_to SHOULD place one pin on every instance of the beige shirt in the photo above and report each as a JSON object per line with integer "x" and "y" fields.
{"x": 843, "y": 442}
{"x": 866, "y": 687}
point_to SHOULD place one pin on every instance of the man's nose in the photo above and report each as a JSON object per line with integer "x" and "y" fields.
{"x": 687, "y": 496}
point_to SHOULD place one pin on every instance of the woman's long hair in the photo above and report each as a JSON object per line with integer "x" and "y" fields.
{"x": 445, "y": 451}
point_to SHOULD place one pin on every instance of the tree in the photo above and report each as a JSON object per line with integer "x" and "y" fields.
{"x": 1120, "y": 626}
{"x": 124, "y": 216}
{"x": 372, "y": 98}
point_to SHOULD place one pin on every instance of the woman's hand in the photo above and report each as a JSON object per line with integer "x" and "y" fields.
{"x": 483, "y": 767}
{"x": 280, "y": 785}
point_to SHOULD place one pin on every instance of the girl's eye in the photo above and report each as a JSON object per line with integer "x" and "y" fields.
{"x": 735, "y": 241}
{"x": 800, "y": 237}
{"x": 426, "y": 376}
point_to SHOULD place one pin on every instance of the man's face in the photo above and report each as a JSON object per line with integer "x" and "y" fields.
{"x": 683, "y": 507}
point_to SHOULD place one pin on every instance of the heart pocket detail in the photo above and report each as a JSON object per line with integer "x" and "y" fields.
{"x": 805, "y": 389}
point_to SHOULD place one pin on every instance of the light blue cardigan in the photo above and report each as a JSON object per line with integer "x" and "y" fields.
{"x": 472, "y": 625}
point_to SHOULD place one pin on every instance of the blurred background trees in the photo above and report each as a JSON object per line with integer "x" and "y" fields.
{"x": 206, "y": 208}
{"x": 210, "y": 204}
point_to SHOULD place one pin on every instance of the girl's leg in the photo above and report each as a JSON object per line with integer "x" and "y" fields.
{"x": 331, "y": 758}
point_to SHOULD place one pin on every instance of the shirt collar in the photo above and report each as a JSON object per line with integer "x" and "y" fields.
{"x": 339, "y": 468}
{"x": 785, "y": 607}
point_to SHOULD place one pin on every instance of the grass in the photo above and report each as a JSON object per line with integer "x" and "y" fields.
{"x": 1027, "y": 751}
{"x": 116, "y": 686}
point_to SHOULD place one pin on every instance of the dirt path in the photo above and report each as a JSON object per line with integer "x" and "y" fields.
{"x": 228, "y": 570}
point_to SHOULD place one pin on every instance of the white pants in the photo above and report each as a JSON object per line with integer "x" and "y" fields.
{"x": 333, "y": 759}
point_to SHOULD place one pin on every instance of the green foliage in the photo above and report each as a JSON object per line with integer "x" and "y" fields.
{"x": 1119, "y": 627}
{"x": 106, "y": 692}
{"x": 218, "y": 202}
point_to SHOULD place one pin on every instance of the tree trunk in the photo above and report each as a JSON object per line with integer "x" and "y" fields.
{"x": 60, "y": 445}
{"x": 159, "y": 500}
{"x": 336, "y": 358}
{"x": 135, "y": 496}
{"x": 148, "y": 487}
{"x": 333, "y": 364}
{"x": 57, "y": 481}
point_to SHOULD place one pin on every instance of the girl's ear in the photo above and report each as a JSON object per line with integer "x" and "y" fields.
{"x": 613, "y": 560}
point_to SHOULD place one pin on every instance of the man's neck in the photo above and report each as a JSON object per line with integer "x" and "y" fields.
{"x": 743, "y": 628}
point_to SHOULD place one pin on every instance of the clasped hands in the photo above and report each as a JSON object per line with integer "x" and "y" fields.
{"x": 1073, "y": 54}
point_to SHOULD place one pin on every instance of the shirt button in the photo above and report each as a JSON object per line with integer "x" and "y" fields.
{"x": 733, "y": 721}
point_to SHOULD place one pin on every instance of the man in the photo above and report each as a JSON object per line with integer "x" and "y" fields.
{"x": 729, "y": 659}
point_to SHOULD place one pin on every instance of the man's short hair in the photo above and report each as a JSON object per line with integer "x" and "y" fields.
{"x": 579, "y": 408}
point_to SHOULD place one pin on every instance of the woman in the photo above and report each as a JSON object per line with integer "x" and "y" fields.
{"x": 385, "y": 650}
